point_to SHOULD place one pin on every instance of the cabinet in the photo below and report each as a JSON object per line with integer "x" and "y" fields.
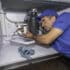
{"x": 25, "y": 5}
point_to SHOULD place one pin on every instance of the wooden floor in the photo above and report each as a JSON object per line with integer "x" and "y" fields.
{"x": 55, "y": 64}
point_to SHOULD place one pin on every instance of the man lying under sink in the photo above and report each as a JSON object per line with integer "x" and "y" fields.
{"x": 59, "y": 32}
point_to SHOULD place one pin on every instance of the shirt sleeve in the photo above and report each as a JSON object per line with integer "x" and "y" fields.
{"x": 62, "y": 23}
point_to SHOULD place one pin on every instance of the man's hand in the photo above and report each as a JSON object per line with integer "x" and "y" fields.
{"x": 28, "y": 35}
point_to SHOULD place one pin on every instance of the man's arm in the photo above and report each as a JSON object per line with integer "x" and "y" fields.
{"x": 50, "y": 37}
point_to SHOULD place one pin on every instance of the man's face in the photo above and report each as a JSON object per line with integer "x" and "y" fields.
{"x": 47, "y": 22}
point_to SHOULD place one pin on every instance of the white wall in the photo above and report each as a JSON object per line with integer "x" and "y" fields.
{"x": 68, "y": 1}
{"x": 65, "y": 10}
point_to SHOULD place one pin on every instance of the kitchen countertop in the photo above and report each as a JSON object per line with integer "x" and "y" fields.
{"x": 9, "y": 53}
{"x": 10, "y": 57}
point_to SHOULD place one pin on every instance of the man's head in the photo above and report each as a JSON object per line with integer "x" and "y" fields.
{"x": 48, "y": 17}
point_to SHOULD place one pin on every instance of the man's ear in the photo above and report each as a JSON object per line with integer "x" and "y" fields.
{"x": 53, "y": 19}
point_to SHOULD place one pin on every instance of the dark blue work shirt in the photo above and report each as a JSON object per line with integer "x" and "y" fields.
{"x": 62, "y": 43}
